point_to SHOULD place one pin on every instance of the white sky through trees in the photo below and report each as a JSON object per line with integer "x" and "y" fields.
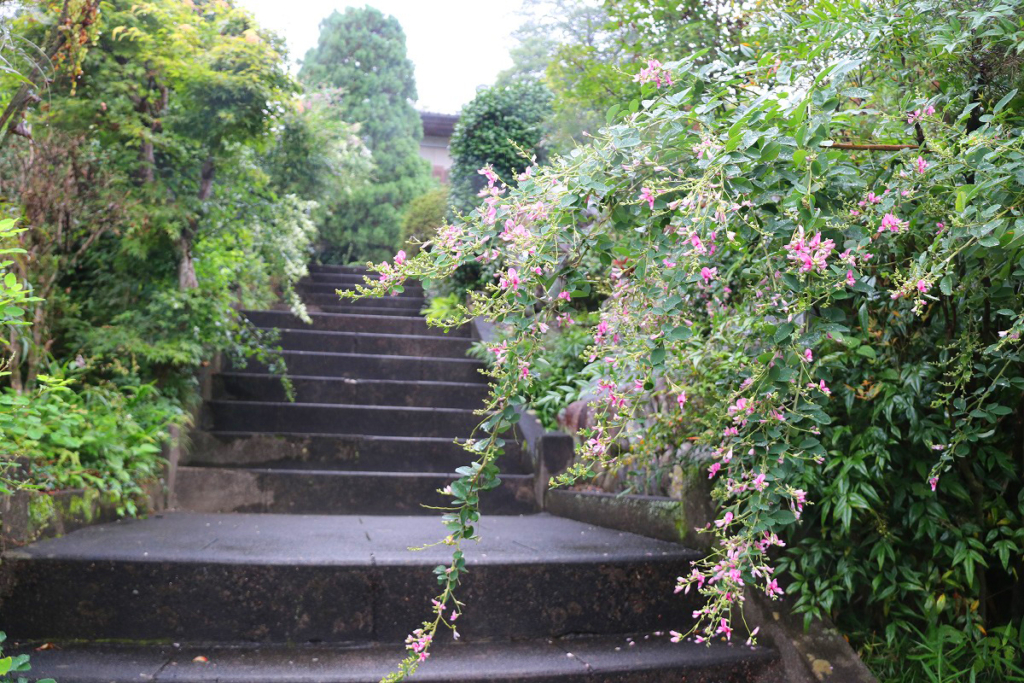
{"x": 456, "y": 45}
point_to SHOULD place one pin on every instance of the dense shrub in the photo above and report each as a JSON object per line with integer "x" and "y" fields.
{"x": 813, "y": 264}
{"x": 501, "y": 128}
{"x": 423, "y": 217}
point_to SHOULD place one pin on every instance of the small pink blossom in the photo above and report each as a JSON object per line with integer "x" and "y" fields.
{"x": 891, "y": 223}
{"x": 400, "y": 258}
{"x": 708, "y": 274}
{"x": 713, "y": 470}
{"x": 933, "y": 482}
{"x": 654, "y": 73}
{"x": 808, "y": 355}
{"x": 773, "y": 588}
{"x": 923, "y": 286}
{"x": 647, "y": 196}
{"x": 759, "y": 482}
{"x": 921, "y": 165}
{"x": 725, "y": 521}
{"x": 681, "y": 400}
{"x": 850, "y": 280}
{"x": 511, "y": 281}
{"x": 724, "y": 627}
{"x": 565, "y": 296}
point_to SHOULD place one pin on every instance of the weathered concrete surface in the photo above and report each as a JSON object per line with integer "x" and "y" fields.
{"x": 574, "y": 660}
{"x": 326, "y": 418}
{"x": 213, "y": 489}
{"x": 351, "y": 391}
{"x": 352, "y": 322}
{"x": 359, "y": 452}
{"x": 278, "y": 578}
{"x": 370, "y": 366}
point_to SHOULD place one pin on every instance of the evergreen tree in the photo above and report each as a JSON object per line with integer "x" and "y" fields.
{"x": 363, "y": 52}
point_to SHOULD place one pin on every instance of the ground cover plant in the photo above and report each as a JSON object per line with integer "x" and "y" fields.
{"x": 810, "y": 256}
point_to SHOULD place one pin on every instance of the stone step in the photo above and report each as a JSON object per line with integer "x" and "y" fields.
{"x": 338, "y": 452}
{"x": 413, "y": 303}
{"x": 347, "y": 270}
{"x": 351, "y": 278}
{"x": 331, "y": 287}
{"x": 643, "y": 658}
{"x": 322, "y": 418}
{"x": 349, "y": 322}
{"x": 335, "y": 579}
{"x": 359, "y": 309}
{"x": 376, "y": 392}
{"x": 324, "y": 492}
{"x": 371, "y": 366}
{"x": 375, "y": 343}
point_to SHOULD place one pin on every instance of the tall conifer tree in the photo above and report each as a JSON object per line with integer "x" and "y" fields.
{"x": 362, "y": 51}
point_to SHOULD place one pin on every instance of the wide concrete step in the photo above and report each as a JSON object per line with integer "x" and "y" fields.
{"x": 335, "y": 579}
{"x": 326, "y": 492}
{"x": 365, "y": 307}
{"x": 370, "y": 366}
{"x": 372, "y": 342}
{"x": 339, "y": 452}
{"x": 349, "y": 322}
{"x": 639, "y": 658}
{"x": 414, "y": 303}
{"x": 350, "y": 278}
{"x": 324, "y": 418}
{"x": 332, "y": 287}
{"x": 315, "y": 268}
{"x": 376, "y": 392}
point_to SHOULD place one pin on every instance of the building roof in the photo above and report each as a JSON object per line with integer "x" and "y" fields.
{"x": 439, "y": 125}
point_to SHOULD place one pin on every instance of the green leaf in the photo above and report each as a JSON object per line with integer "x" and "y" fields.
{"x": 1005, "y": 101}
{"x": 784, "y": 332}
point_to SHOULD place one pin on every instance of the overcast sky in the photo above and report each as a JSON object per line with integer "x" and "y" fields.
{"x": 456, "y": 45}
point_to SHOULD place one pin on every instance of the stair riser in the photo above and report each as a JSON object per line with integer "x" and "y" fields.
{"x": 331, "y": 287}
{"x": 350, "y": 392}
{"x": 232, "y": 416}
{"x": 413, "y": 303}
{"x": 97, "y": 600}
{"x": 366, "y": 454}
{"x": 353, "y": 323}
{"x": 202, "y": 489}
{"x": 376, "y": 367}
{"x": 335, "y": 342}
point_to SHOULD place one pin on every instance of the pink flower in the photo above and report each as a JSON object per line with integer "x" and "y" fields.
{"x": 676, "y": 636}
{"x": 725, "y": 521}
{"x": 654, "y": 72}
{"x": 808, "y": 356}
{"x": 921, "y": 165}
{"x": 929, "y": 110}
{"x": 759, "y": 483}
{"x": 723, "y": 627}
{"x": 400, "y": 258}
{"x": 713, "y": 470}
{"x": 511, "y": 281}
{"x": 668, "y": 264}
{"x": 647, "y": 196}
{"x": 773, "y": 588}
{"x": 681, "y": 400}
{"x": 565, "y": 296}
{"x": 708, "y": 274}
{"x": 891, "y": 223}
{"x": 933, "y": 482}
{"x": 914, "y": 116}
{"x": 524, "y": 370}
{"x": 490, "y": 175}
{"x": 811, "y": 254}
{"x": 923, "y": 286}
{"x": 850, "y": 280}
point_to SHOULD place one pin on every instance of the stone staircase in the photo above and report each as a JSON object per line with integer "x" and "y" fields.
{"x": 286, "y": 558}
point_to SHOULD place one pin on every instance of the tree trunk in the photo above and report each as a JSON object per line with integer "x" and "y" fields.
{"x": 186, "y": 268}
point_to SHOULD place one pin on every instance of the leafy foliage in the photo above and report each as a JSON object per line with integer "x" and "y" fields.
{"x": 812, "y": 261}
{"x": 500, "y": 128}
{"x": 423, "y": 217}
{"x": 362, "y": 52}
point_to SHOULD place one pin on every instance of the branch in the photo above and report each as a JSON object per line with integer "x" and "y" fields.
{"x": 871, "y": 146}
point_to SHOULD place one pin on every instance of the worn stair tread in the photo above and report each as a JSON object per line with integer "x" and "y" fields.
{"x": 282, "y": 490}
{"x": 579, "y": 660}
{"x": 348, "y": 452}
{"x": 424, "y": 345}
{"x": 327, "y": 389}
{"x": 351, "y": 322}
{"x": 345, "y": 540}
